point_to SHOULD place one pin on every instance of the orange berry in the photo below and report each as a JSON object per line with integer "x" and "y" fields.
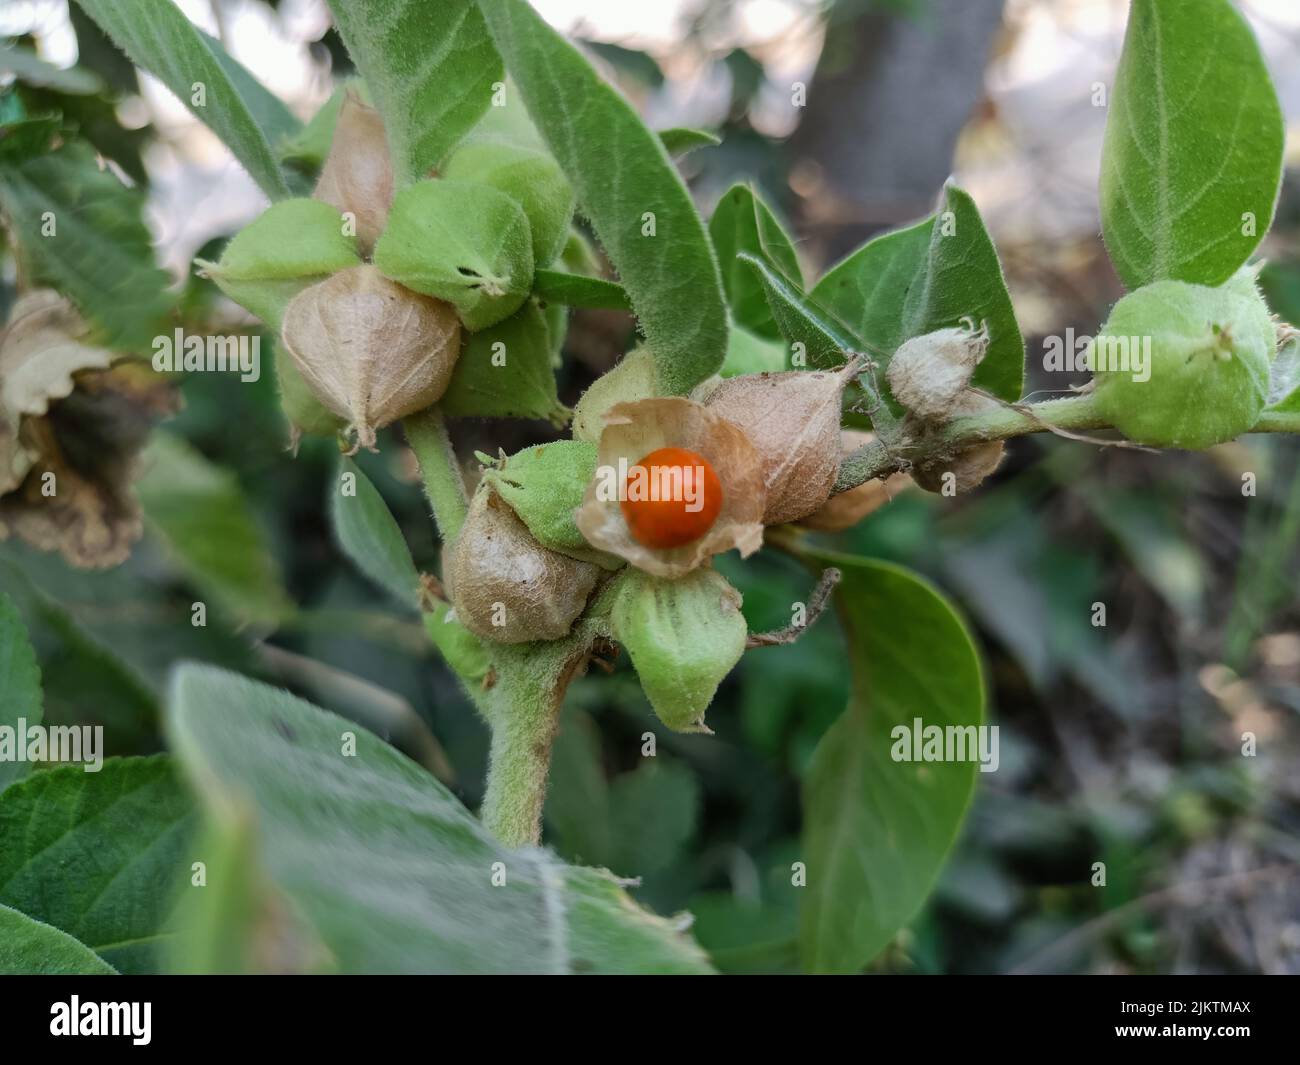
{"x": 672, "y": 497}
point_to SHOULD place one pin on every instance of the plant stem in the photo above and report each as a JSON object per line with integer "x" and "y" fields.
{"x": 426, "y": 432}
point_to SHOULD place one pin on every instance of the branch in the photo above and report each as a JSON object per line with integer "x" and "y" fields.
{"x": 426, "y": 432}
{"x": 816, "y": 604}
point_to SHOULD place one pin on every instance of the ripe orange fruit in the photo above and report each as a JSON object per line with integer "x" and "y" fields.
{"x": 672, "y": 497}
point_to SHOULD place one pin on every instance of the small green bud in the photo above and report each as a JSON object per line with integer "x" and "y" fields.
{"x": 506, "y": 372}
{"x": 1181, "y": 365}
{"x": 544, "y": 485}
{"x": 532, "y": 178}
{"x": 684, "y": 635}
{"x": 633, "y": 378}
{"x": 291, "y": 245}
{"x": 464, "y": 243}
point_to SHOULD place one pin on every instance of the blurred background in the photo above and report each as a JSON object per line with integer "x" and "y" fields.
{"x": 1121, "y": 743}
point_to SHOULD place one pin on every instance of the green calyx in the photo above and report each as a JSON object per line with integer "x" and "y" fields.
{"x": 634, "y": 378}
{"x": 544, "y": 485}
{"x": 530, "y": 177}
{"x": 683, "y": 636}
{"x": 463, "y": 651}
{"x": 507, "y": 371}
{"x": 462, "y": 242}
{"x": 291, "y": 245}
{"x": 1183, "y": 365}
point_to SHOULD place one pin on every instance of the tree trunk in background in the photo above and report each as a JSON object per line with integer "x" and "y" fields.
{"x": 889, "y": 98}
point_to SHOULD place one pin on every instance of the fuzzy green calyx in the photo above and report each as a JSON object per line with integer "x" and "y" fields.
{"x": 1198, "y": 361}
{"x": 544, "y": 485}
{"x": 465, "y": 243}
{"x": 684, "y": 635}
{"x": 634, "y": 378}
{"x": 288, "y": 247}
{"x": 530, "y": 177}
{"x": 507, "y": 371}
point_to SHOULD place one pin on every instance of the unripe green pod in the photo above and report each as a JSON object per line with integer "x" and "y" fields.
{"x": 683, "y": 635}
{"x": 544, "y": 485}
{"x": 1181, "y": 365}
{"x": 291, "y": 245}
{"x": 464, "y": 243}
{"x": 530, "y": 177}
{"x": 506, "y": 586}
{"x": 505, "y": 371}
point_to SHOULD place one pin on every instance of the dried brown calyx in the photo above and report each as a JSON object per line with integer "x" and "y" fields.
{"x": 357, "y": 177}
{"x": 371, "y": 350}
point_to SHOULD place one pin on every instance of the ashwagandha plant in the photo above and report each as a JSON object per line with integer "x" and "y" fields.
{"x": 415, "y": 262}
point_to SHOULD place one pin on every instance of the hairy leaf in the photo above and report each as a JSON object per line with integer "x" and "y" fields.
{"x": 99, "y": 855}
{"x": 249, "y": 119}
{"x": 1192, "y": 159}
{"x": 928, "y": 277}
{"x": 202, "y": 513}
{"x": 392, "y": 872}
{"x": 743, "y": 222}
{"x": 81, "y": 231}
{"x": 29, "y": 947}
{"x": 370, "y": 536}
{"x": 431, "y": 69}
{"x": 576, "y": 290}
{"x": 876, "y": 830}
{"x": 21, "y": 678}
{"x": 629, "y": 189}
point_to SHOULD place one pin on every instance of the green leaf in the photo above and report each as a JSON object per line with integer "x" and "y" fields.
{"x": 81, "y": 231}
{"x": 1193, "y": 148}
{"x": 392, "y": 872}
{"x": 202, "y": 513}
{"x": 30, "y": 69}
{"x": 681, "y": 140}
{"x": 800, "y": 320}
{"x": 370, "y": 536}
{"x": 577, "y": 290}
{"x": 625, "y": 183}
{"x": 29, "y": 947}
{"x": 743, "y": 222}
{"x": 22, "y": 682}
{"x": 928, "y": 277}
{"x": 876, "y": 830}
{"x": 747, "y": 353}
{"x": 99, "y": 855}
{"x": 430, "y": 68}
{"x": 248, "y": 118}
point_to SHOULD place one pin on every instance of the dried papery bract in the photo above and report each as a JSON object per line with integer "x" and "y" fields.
{"x": 634, "y": 430}
{"x": 358, "y": 173}
{"x": 684, "y": 636}
{"x": 960, "y": 472}
{"x": 506, "y": 586}
{"x": 371, "y": 350}
{"x": 846, "y": 509}
{"x": 793, "y": 419}
{"x": 929, "y": 373}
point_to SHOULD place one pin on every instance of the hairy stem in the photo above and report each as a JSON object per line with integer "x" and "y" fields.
{"x": 426, "y": 432}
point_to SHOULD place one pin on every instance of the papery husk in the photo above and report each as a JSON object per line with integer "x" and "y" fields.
{"x": 928, "y": 374}
{"x": 846, "y": 509}
{"x": 969, "y": 467}
{"x": 358, "y": 173}
{"x": 632, "y": 431}
{"x": 495, "y": 560}
{"x": 371, "y": 350}
{"x": 793, "y": 419}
